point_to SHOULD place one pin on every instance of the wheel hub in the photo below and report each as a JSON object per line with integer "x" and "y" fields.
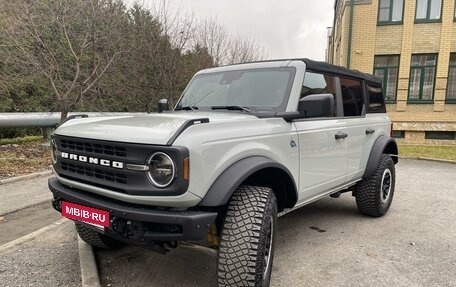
{"x": 385, "y": 187}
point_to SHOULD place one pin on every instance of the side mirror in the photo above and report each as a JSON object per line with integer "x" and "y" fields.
{"x": 316, "y": 106}
{"x": 163, "y": 105}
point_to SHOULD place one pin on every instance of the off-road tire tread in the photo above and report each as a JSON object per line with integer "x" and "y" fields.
{"x": 367, "y": 191}
{"x": 241, "y": 245}
{"x": 95, "y": 239}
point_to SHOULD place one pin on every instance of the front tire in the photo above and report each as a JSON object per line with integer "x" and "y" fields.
{"x": 95, "y": 239}
{"x": 375, "y": 193}
{"x": 246, "y": 250}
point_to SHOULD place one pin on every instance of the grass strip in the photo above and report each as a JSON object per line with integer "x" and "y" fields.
{"x": 21, "y": 140}
{"x": 437, "y": 152}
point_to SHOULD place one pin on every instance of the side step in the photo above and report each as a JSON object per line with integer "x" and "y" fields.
{"x": 337, "y": 194}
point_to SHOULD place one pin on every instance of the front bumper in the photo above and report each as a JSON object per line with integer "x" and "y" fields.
{"x": 155, "y": 225}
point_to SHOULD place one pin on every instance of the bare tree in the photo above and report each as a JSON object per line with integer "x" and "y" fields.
{"x": 245, "y": 49}
{"x": 66, "y": 44}
{"x": 178, "y": 27}
{"x": 159, "y": 38}
{"x": 213, "y": 36}
{"x": 99, "y": 55}
{"x": 224, "y": 47}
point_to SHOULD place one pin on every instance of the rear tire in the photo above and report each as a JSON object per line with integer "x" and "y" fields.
{"x": 246, "y": 250}
{"x": 96, "y": 239}
{"x": 375, "y": 193}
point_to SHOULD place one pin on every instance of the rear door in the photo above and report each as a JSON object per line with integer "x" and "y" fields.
{"x": 377, "y": 122}
{"x": 354, "y": 110}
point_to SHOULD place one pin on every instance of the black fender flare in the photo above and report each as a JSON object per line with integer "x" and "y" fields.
{"x": 224, "y": 186}
{"x": 383, "y": 144}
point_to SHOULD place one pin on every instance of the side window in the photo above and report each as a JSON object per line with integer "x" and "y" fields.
{"x": 376, "y": 99}
{"x": 318, "y": 84}
{"x": 315, "y": 83}
{"x": 352, "y": 97}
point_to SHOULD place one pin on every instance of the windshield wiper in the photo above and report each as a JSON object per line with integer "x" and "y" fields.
{"x": 231, "y": 108}
{"x": 193, "y": 106}
{"x": 187, "y": 108}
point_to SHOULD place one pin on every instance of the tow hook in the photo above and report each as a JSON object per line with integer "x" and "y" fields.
{"x": 127, "y": 228}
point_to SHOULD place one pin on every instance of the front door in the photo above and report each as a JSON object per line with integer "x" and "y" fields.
{"x": 323, "y": 156}
{"x": 323, "y": 142}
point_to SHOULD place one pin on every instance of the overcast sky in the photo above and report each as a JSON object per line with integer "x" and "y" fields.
{"x": 287, "y": 28}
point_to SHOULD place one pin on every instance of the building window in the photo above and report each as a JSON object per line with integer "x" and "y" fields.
{"x": 387, "y": 68}
{"x": 439, "y": 135}
{"x": 390, "y": 11}
{"x": 398, "y": 134}
{"x": 451, "y": 89}
{"x": 422, "y": 78}
{"x": 428, "y": 10}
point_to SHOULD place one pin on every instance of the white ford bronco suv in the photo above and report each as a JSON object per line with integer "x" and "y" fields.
{"x": 244, "y": 144}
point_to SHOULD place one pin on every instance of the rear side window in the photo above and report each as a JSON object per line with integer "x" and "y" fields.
{"x": 352, "y": 97}
{"x": 376, "y": 99}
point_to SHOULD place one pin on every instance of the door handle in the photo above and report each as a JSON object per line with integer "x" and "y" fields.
{"x": 370, "y": 131}
{"x": 341, "y": 136}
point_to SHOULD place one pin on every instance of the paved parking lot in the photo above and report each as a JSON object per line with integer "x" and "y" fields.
{"x": 49, "y": 259}
{"x": 324, "y": 244}
{"x": 329, "y": 244}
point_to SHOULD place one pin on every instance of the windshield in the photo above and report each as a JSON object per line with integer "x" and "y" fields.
{"x": 251, "y": 90}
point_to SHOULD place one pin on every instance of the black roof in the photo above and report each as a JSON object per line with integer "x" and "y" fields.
{"x": 327, "y": 68}
{"x": 333, "y": 69}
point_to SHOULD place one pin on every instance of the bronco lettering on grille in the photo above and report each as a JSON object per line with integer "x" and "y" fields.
{"x": 93, "y": 160}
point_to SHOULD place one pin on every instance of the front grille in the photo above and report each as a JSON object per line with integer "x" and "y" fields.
{"x": 93, "y": 148}
{"x": 95, "y": 173}
{"x": 112, "y": 177}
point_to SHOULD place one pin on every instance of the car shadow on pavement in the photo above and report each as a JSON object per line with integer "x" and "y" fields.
{"x": 133, "y": 266}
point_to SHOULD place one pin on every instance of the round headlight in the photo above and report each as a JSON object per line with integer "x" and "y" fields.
{"x": 161, "y": 169}
{"x": 53, "y": 152}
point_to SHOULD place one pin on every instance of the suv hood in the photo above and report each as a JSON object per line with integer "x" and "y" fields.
{"x": 146, "y": 129}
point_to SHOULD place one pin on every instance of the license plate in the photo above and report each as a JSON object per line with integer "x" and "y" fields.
{"x": 89, "y": 215}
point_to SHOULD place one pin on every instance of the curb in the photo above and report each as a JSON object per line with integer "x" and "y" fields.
{"x": 88, "y": 264}
{"x": 429, "y": 159}
{"x": 27, "y": 206}
{"x": 27, "y": 176}
{"x": 437, "y": 160}
{"x": 32, "y": 235}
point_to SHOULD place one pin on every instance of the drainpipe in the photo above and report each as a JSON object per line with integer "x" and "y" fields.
{"x": 350, "y": 32}
{"x": 333, "y": 34}
{"x": 329, "y": 45}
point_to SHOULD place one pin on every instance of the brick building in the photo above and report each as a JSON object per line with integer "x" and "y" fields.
{"x": 411, "y": 44}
